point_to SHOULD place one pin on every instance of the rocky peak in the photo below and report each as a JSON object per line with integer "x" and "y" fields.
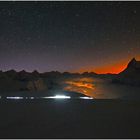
{"x": 133, "y": 67}
{"x": 132, "y": 63}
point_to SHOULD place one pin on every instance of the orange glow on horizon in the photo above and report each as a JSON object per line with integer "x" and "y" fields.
{"x": 114, "y": 68}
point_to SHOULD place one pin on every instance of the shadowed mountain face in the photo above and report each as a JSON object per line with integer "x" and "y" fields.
{"x": 19, "y": 81}
{"x": 131, "y": 75}
{"x": 133, "y": 68}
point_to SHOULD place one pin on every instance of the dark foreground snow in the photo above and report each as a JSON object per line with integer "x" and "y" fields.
{"x": 69, "y": 119}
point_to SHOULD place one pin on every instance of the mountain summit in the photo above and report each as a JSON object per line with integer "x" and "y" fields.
{"x": 131, "y": 75}
{"x": 133, "y": 67}
{"x": 133, "y": 63}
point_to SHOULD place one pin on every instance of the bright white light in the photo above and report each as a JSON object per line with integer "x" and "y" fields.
{"x": 16, "y": 98}
{"x": 32, "y": 97}
{"x": 58, "y": 97}
{"x": 86, "y": 98}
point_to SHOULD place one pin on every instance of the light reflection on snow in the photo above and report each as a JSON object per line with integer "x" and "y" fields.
{"x": 86, "y": 98}
{"x": 84, "y": 85}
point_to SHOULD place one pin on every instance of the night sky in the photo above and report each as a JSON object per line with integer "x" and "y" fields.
{"x": 69, "y": 36}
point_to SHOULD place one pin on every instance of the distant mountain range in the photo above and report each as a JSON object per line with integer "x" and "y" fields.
{"x": 34, "y": 81}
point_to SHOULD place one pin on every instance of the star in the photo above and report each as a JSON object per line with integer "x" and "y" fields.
{"x": 77, "y": 15}
{"x": 135, "y": 11}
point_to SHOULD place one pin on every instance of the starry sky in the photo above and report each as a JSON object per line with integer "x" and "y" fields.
{"x": 69, "y": 36}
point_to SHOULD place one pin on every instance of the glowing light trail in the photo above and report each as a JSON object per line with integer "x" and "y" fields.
{"x": 16, "y": 98}
{"x": 86, "y": 98}
{"x": 58, "y": 97}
